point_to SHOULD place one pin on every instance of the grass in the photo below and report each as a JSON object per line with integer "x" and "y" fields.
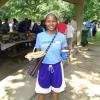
{"x": 95, "y": 41}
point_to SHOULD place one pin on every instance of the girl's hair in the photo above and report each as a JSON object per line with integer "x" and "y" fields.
{"x": 45, "y": 17}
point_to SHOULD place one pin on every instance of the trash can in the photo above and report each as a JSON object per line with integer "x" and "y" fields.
{"x": 84, "y": 37}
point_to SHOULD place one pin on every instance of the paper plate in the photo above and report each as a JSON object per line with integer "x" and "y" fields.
{"x": 65, "y": 50}
{"x": 35, "y": 55}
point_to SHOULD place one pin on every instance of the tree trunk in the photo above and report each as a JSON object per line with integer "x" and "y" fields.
{"x": 2, "y": 2}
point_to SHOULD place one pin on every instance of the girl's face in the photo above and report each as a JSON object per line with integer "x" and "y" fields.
{"x": 51, "y": 22}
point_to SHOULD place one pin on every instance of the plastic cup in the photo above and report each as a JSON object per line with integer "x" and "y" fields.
{"x": 64, "y": 54}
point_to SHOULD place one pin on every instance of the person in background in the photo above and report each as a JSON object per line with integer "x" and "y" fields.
{"x": 15, "y": 25}
{"x": 5, "y": 26}
{"x": 36, "y": 29}
{"x": 24, "y": 26}
{"x": 94, "y": 30}
{"x": 27, "y": 25}
{"x": 69, "y": 34}
{"x": 88, "y": 26}
{"x": 50, "y": 77}
{"x": 11, "y": 26}
{"x": 31, "y": 26}
{"x": 42, "y": 26}
{"x": 61, "y": 27}
{"x": 74, "y": 25}
{"x": 21, "y": 27}
{"x": 0, "y": 26}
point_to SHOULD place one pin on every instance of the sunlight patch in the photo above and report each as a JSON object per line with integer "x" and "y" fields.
{"x": 83, "y": 83}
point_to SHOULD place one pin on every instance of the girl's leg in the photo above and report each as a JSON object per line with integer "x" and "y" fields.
{"x": 55, "y": 96}
{"x": 41, "y": 96}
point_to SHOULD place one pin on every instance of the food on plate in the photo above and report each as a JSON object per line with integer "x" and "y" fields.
{"x": 34, "y": 55}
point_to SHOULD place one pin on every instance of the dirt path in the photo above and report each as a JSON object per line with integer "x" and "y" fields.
{"x": 82, "y": 78}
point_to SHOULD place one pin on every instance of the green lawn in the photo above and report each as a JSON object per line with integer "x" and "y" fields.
{"x": 95, "y": 41}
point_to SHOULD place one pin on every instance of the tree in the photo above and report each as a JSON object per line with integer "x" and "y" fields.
{"x": 35, "y": 9}
{"x": 91, "y": 9}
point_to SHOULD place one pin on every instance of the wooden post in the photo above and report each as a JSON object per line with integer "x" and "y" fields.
{"x": 79, "y": 12}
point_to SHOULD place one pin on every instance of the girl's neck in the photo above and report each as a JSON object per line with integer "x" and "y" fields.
{"x": 52, "y": 32}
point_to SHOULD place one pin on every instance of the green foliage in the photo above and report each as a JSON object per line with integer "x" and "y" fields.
{"x": 91, "y": 9}
{"x": 95, "y": 41}
{"x": 35, "y": 9}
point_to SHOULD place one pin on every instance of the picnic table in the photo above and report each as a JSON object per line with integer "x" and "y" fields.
{"x": 12, "y": 39}
{"x": 18, "y": 48}
{"x": 5, "y": 46}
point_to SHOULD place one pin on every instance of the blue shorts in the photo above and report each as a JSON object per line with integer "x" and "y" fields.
{"x": 50, "y": 78}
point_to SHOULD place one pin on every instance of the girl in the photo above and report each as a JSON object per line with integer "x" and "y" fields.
{"x": 51, "y": 75}
{"x": 69, "y": 33}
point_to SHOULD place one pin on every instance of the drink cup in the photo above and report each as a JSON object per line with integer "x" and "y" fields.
{"x": 64, "y": 54}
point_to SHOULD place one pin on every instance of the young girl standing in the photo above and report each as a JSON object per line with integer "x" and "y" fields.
{"x": 50, "y": 77}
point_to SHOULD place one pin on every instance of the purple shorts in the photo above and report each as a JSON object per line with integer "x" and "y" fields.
{"x": 50, "y": 76}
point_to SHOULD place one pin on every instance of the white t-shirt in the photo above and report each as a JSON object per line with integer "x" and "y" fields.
{"x": 32, "y": 24}
{"x": 11, "y": 25}
{"x": 70, "y": 31}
